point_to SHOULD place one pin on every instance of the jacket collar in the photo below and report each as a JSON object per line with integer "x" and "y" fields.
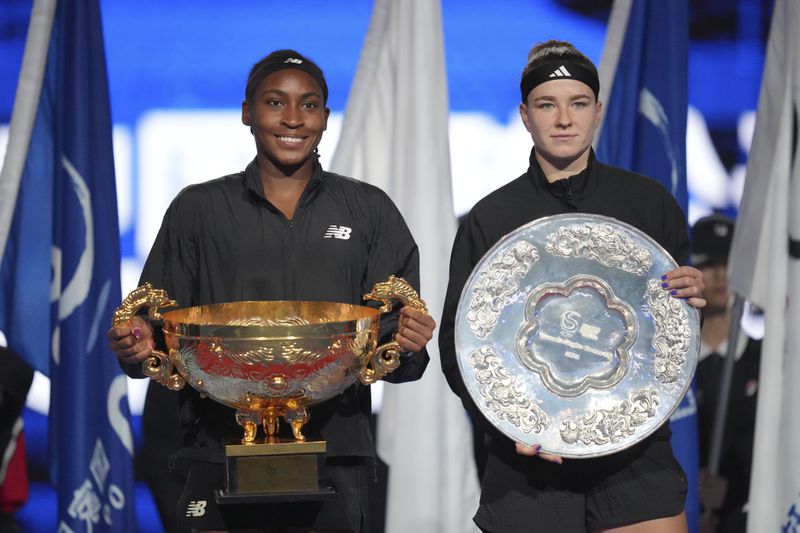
{"x": 254, "y": 185}
{"x": 570, "y": 190}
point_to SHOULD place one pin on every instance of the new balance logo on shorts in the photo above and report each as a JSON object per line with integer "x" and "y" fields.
{"x": 196, "y": 508}
{"x": 560, "y": 72}
{"x": 338, "y": 232}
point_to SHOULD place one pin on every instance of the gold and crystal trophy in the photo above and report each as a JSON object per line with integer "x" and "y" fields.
{"x": 270, "y": 360}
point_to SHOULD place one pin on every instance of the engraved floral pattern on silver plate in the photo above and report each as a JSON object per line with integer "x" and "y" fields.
{"x": 565, "y": 337}
{"x": 602, "y": 243}
{"x": 673, "y": 337}
{"x": 603, "y": 426}
{"x": 501, "y": 395}
{"x": 498, "y": 281}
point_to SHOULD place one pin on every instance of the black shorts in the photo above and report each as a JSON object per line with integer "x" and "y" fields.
{"x": 197, "y": 508}
{"x": 528, "y": 495}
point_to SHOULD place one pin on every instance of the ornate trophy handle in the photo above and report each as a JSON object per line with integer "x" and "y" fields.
{"x": 387, "y": 357}
{"x": 158, "y": 366}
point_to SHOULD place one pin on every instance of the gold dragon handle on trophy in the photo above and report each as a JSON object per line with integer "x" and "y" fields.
{"x": 158, "y": 366}
{"x": 387, "y": 357}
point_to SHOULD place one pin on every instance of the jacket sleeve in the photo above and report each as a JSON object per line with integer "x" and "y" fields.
{"x": 469, "y": 247}
{"x": 677, "y": 231}
{"x": 171, "y": 265}
{"x": 394, "y": 252}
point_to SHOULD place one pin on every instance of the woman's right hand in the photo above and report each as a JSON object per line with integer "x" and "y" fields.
{"x": 132, "y": 343}
{"x": 535, "y": 450}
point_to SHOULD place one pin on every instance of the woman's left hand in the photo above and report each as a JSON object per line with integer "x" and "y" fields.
{"x": 685, "y": 282}
{"x": 414, "y": 330}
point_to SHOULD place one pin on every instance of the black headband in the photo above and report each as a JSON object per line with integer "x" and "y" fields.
{"x": 561, "y": 70}
{"x": 284, "y": 62}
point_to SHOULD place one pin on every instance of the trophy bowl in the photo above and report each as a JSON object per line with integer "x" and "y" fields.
{"x": 270, "y": 359}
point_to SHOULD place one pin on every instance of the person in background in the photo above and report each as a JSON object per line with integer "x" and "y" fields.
{"x": 16, "y": 378}
{"x": 640, "y": 489}
{"x": 724, "y": 495}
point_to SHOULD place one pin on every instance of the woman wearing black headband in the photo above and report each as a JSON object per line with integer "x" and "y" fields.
{"x": 282, "y": 229}
{"x": 641, "y": 489}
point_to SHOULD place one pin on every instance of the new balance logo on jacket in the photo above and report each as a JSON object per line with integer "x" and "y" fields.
{"x": 560, "y": 72}
{"x": 338, "y": 232}
{"x": 196, "y": 508}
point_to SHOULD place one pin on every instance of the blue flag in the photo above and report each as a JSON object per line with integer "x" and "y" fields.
{"x": 59, "y": 252}
{"x": 644, "y": 91}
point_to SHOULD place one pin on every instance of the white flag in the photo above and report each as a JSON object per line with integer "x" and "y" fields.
{"x": 395, "y": 136}
{"x": 765, "y": 269}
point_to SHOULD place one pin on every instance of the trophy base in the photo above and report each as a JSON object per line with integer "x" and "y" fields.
{"x": 224, "y": 497}
{"x": 280, "y": 471}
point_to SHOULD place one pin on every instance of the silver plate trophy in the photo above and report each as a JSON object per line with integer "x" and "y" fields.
{"x": 566, "y": 338}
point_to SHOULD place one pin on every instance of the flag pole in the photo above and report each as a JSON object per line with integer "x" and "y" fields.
{"x": 26, "y": 102}
{"x": 723, "y": 399}
{"x": 612, "y": 50}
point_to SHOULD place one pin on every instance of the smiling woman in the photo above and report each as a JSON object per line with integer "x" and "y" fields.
{"x": 281, "y": 229}
{"x": 285, "y": 107}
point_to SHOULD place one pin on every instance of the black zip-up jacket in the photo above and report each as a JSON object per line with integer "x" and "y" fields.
{"x": 600, "y": 189}
{"x": 223, "y": 241}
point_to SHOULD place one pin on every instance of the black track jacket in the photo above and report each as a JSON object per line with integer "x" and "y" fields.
{"x": 223, "y": 241}
{"x": 600, "y": 189}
